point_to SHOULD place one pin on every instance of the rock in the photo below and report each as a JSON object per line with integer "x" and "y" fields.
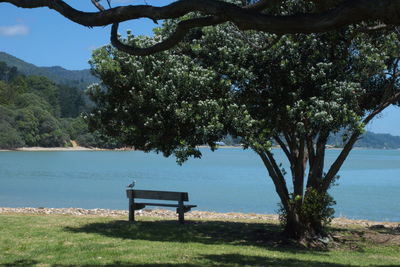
{"x": 324, "y": 240}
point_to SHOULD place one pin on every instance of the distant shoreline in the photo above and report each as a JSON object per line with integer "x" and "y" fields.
{"x": 80, "y": 148}
{"x": 50, "y": 149}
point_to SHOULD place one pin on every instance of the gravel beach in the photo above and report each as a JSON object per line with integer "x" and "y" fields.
{"x": 162, "y": 213}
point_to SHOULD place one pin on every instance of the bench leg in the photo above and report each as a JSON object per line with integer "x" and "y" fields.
{"x": 181, "y": 214}
{"x": 131, "y": 210}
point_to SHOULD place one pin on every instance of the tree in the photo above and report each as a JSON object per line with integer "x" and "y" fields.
{"x": 245, "y": 14}
{"x": 27, "y": 125}
{"x": 7, "y": 94}
{"x": 36, "y": 123}
{"x": 296, "y": 92}
{"x": 47, "y": 90}
{"x": 71, "y": 101}
{"x": 9, "y": 136}
{"x": 7, "y": 73}
{"x": 30, "y": 107}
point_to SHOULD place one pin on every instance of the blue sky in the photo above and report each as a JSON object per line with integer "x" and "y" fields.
{"x": 45, "y": 38}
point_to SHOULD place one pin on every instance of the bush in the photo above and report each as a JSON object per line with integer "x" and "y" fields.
{"x": 9, "y": 137}
{"x": 87, "y": 140}
{"x": 317, "y": 207}
{"x": 314, "y": 212}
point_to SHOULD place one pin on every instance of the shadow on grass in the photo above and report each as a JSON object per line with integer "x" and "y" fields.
{"x": 224, "y": 260}
{"x": 381, "y": 235}
{"x": 204, "y": 232}
{"x": 389, "y": 230}
{"x": 20, "y": 263}
{"x": 240, "y": 260}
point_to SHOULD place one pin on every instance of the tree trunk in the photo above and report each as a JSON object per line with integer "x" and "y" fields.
{"x": 303, "y": 228}
{"x": 302, "y": 214}
{"x": 294, "y": 228}
{"x": 309, "y": 207}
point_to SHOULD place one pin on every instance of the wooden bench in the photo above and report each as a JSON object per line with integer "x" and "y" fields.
{"x": 181, "y": 208}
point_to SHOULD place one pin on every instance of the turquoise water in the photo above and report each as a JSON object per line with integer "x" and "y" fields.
{"x": 223, "y": 181}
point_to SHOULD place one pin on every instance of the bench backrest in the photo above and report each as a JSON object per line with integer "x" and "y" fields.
{"x": 161, "y": 195}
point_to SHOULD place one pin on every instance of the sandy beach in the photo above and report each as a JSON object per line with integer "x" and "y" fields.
{"x": 76, "y": 148}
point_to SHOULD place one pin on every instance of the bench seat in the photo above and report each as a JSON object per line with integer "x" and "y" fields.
{"x": 180, "y": 197}
{"x": 165, "y": 205}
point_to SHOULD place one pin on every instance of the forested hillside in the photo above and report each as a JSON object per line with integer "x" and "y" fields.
{"x": 59, "y": 75}
{"x": 367, "y": 140}
{"x": 35, "y": 111}
{"x": 370, "y": 140}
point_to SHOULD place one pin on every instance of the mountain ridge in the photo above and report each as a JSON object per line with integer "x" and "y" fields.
{"x": 57, "y": 74}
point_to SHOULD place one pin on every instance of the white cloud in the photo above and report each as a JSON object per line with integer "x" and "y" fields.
{"x": 14, "y": 30}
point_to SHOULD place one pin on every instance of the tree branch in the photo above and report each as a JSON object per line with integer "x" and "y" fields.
{"x": 242, "y": 35}
{"x": 299, "y": 167}
{"x": 348, "y": 12}
{"x": 370, "y": 29}
{"x": 277, "y": 177}
{"x": 316, "y": 167}
{"x": 180, "y": 32}
{"x": 284, "y": 148}
{"x": 245, "y": 18}
{"x": 262, "y": 5}
{"x": 310, "y": 151}
{"x": 98, "y": 5}
{"x": 349, "y": 145}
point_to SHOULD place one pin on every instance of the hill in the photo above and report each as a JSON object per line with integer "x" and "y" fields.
{"x": 57, "y": 74}
{"x": 35, "y": 111}
{"x": 369, "y": 140}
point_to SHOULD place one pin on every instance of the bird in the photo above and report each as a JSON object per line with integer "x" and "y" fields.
{"x": 132, "y": 184}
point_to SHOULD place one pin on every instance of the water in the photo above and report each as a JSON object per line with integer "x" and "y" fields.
{"x": 223, "y": 181}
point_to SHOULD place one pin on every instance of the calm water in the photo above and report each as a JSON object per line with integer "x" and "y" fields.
{"x": 225, "y": 180}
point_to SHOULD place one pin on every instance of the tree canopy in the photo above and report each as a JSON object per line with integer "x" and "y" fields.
{"x": 268, "y": 16}
{"x": 222, "y": 81}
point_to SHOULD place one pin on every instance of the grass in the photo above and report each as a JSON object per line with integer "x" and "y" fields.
{"x": 60, "y": 240}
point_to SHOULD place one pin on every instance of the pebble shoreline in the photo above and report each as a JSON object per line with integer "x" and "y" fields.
{"x": 162, "y": 213}
{"x": 159, "y": 213}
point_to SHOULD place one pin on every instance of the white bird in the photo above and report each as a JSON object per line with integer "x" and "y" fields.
{"x": 132, "y": 184}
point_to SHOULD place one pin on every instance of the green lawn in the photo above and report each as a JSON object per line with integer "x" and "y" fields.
{"x": 55, "y": 240}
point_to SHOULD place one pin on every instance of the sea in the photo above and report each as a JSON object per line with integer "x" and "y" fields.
{"x": 227, "y": 180}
